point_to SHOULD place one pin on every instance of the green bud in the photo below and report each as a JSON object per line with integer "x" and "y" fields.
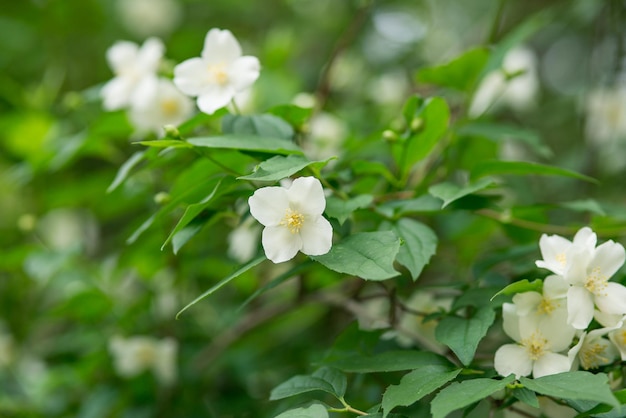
{"x": 416, "y": 124}
{"x": 172, "y": 131}
{"x": 162, "y": 198}
{"x": 390, "y": 136}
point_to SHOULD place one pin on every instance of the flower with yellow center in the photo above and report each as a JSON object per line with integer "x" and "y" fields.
{"x": 618, "y": 338}
{"x": 293, "y": 219}
{"x": 593, "y": 350}
{"x": 219, "y": 73}
{"x": 538, "y": 344}
{"x": 555, "y": 249}
{"x": 541, "y": 305}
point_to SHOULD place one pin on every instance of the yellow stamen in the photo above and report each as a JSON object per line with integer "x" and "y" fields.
{"x": 561, "y": 259}
{"x": 623, "y": 336}
{"x": 535, "y": 345}
{"x": 293, "y": 220}
{"x": 596, "y": 282}
{"x": 169, "y": 107}
{"x": 218, "y": 74}
{"x": 546, "y": 306}
{"x": 593, "y": 356}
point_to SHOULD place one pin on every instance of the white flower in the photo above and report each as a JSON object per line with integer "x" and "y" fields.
{"x": 293, "y": 219}
{"x": 537, "y": 306}
{"x": 326, "y": 134}
{"x": 149, "y": 17}
{"x": 219, "y": 74}
{"x": 592, "y": 350}
{"x": 135, "y": 355}
{"x": 555, "y": 249}
{"x": 538, "y": 344}
{"x": 606, "y": 115}
{"x": 618, "y": 337}
{"x": 164, "y": 105}
{"x": 243, "y": 241}
{"x": 135, "y": 72}
{"x": 588, "y": 273}
{"x": 516, "y": 84}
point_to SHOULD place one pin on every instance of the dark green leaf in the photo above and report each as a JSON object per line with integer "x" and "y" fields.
{"x": 527, "y": 396}
{"x": 499, "y": 132}
{"x": 247, "y": 143}
{"x": 341, "y": 209}
{"x": 293, "y": 114}
{"x": 449, "y": 192}
{"x": 302, "y": 384}
{"x": 368, "y": 255}
{"x": 415, "y": 385}
{"x": 577, "y": 385}
{"x": 269, "y": 126}
{"x": 463, "y": 335}
{"x": 313, "y": 411}
{"x": 521, "y": 286}
{"x": 523, "y": 168}
{"x": 388, "y": 361}
{"x": 461, "y": 73}
{"x": 460, "y": 395}
{"x": 337, "y": 379}
{"x": 420, "y": 244}
{"x": 280, "y": 167}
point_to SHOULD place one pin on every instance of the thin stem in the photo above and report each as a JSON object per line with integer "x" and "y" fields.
{"x": 235, "y": 107}
{"x": 348, "y": 408}
{"x": 495, "y": 27}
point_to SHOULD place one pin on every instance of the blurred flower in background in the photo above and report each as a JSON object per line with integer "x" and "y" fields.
{"x": 145, "y": 18}
{"x": 134, "y": 355}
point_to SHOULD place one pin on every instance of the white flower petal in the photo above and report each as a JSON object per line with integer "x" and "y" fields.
{"x": 243, "y": 72}
{"x": 269, "y": 205}
{"x": 122, "y": 56}
{"x": 280, "y": 244}
{"x": 612, "y": 300}
{"x": 556, "y": 329}
{"x": 145, "y": 93}
{"x": 553, "y": 250}
{"x": 317, "y": 236}
{"x": 150, "y": 54}
{"x": 527, "y": 302}
{"x": 551, "y": 363}
{"x": 586, "y": 238}
{"x": 608, "y": 320}
{"x": 609, "y": 257}
{"x": 191, "y": 76}
{"x": 555, "y": 287}
{"x": 578, "y": 259}
{"x": 216, "y": 99}
{"x": 510, "y": 321}
{"x": 307, "y": 196}
{"x": 116, "y": 93}
{"x": 579, "y": 307}
{"x": 512, "y": 358}
{"x": 618, "y": 337}
{"x": 220, "y": 46}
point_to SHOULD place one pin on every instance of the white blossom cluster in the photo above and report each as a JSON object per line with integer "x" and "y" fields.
{"x": 555, "y": 331}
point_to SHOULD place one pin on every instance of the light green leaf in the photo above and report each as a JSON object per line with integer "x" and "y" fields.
{"x": 341, "y": 209}
{"x": 460, "y": 395}
{"x": 280, "y": 167}
{"x": 125, "y": 169}
{"x": 523, "y": 168}
{"x": 520, "y": 286}
{"x": 377, "y": 168}
{"x": 218, "y": 286}
{"x": 165, "y": 143}
{"x": 325, "y": 379}
{"x": 421, "y": 204}
{"x": 415, "y": 385}
{"x": 294, "y": 115}
{"x": 449, "y": 192}
{"x": 183, "y": 236}
{"x": 434, "y": 115}
{"x": 461, "y": 73}
{"x": 247, "y": 143}
{"x": 261, "y": 125}
{"x": 388, "y": 361}
{"x": 499, "y": 132}
{"x": 420, "y": 244}
{"x": 577, "y": 385}
{"x": 463, "y": 335}
{"x": 587, "y": 205}
{"x": 313, "y": 411}
{"x": 368, "y": 255}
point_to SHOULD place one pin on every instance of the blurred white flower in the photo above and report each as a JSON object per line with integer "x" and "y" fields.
{"x": 149, "y": 17}
{"x": 67, "y": 229}
{"x": 164, "y": 105}
{"x": 538, "y": 347}
{"x": 243, "y": 241}
{"x": 390, "y": 88}
{"x": 134, "y": 355}
{"x": 412, "y": 327}
{"x": 293, "y": 219}
{"x": 135, "y": 71}
{"x": 515, "y": 85}
{"x": 606, "y": 115}
{"x": 219, "y": 74}
{"x": 618, "y": 337}
{"x": 592, "y": 350}
{"x": 326, "y": 134}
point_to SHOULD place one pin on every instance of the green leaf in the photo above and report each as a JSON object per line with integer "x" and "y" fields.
{"x": 225, "y": 281}
{"x": 269, "y": 126}
{"x": 341, "y": 209}
{"x": 463, "y": 335}
{"x": 368, "y": 255}
{"x": 313, "y": 411}
{"x": 527, "y": 396}
{"x": 421, "y": 204}
{"x": 376, "y": 168}
{"x": 280, "y": 167}
{"x": 295, "y": 115}
{"x": 523, "y": 168}
{"x": 520, "y": 286}
{"x": 388, "y": 361}
{"x": 434, "y": 115}
{"x": 125, "y": 169}
{"x": 461, "y": 73}
{"x": 587, "y": 205}
{"x": 325, "y": 379}
{"x": 269, "y": 145}
{"x": 415, "y": 385}
{"x": 165, "y": 143}
{"x": 449, "y": 192}
{"x": 499, "y": 132}
{"x": 420, "y": 244}
{"x": 460, "y": 395}
{"x": 577, "y": 385}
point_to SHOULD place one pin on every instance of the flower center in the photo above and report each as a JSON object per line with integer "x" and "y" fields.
{"x": 596, "y": 282}
{"x": 561, "y": 259}
{"x": 535, "y": 345}
{"x": 293, "y": 220}
{"x": 593, "y": 356}
{"x": 169, "y": 107}
{"x": 546, "y": 306}
{"x": 218, "y": 74}
{"x": 146, "y": 354}
{"x": 623, "y": 335}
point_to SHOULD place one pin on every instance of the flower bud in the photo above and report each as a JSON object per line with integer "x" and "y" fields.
{"x": 172, "y": 131}
{"x": 417, "y": 124}
{"x": 162, "y": 198}
{"x": 390, "y": 136}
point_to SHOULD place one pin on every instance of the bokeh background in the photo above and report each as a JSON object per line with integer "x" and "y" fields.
{"x": 74, "y": 290}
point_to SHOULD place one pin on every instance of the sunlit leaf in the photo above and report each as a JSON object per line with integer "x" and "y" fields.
{"x": 280, "y": 167}
{"x": 461, "y": 73}
{"x": 342, "y": 209}
{"x": 449, "y": 192}
{"x": 313, "y": 411}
